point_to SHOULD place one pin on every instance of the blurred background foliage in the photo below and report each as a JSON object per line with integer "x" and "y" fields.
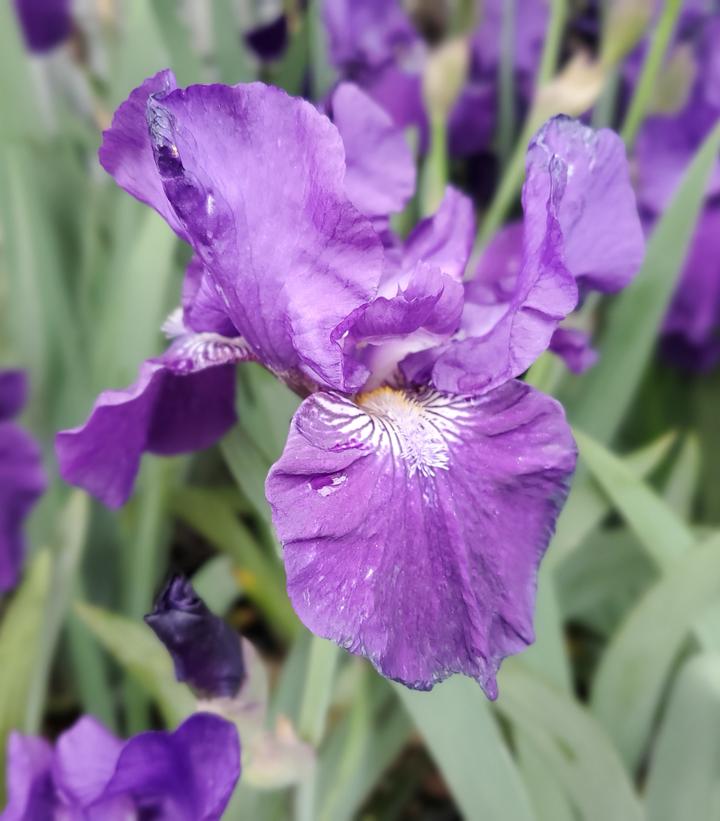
{"x": 614, "y": 713}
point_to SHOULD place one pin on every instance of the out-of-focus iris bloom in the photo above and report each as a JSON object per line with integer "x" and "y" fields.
{"x": 665, "y": 146}
{"x": 44, "y": 23}
{"x": 186, "y": 775}
{"x": 205, "y": 650}
{"x": 269, "y": 40}
{"x": 421, "y": 480}
{"x": 376, "y": 45}
{"x": 22, "y": 479}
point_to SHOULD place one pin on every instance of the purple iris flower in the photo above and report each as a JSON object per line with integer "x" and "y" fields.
{"x": 421, "y": 480}
{"x": 377, "y": 45}
{"x": 665, "y": 147}
{"x": 186, "y": 775}
{"x": 44, "y": 23}
{"x": 206, "y": 651}
{"x": 184, "y": 400}
{"x": 22, "y": 479}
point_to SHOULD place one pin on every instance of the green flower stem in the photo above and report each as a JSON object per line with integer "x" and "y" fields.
{"x": 645, "y": 87}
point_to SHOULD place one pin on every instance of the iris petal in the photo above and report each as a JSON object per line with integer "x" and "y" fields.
{"x": 413, "y": 524}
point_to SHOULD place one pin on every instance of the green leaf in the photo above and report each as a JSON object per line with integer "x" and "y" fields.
{"x": 549, "y": 798}
{"x": 575, "y": 746}
{"x": 20, "y": 638}
{"x": 634, "y": 670}
{"x": 139, "y": 51}
{"x": 66, "y": 555}
{"x": 136, "y": 649}
{"x": 684, "y": 778}
{"x": 598, "y": 401}
{"x": 184, "y": 61}
{"x": 215, "y": 583}
{"x": 587, "y": 505}
{"x": 136, "y": 300}
{"x": 682, "y": 483}
{"x": 19, "y": 113}
{"x": 360, "y": 748}
{"x": 663, "y": 534}
{"x": 318, "y": 689}
{"x": 262, "y": 576}
{"x": 232, "y": 55}
{"x": 249, "y": 467}
{"x": 603, "y": 579}
{"x": 462, "y": 736}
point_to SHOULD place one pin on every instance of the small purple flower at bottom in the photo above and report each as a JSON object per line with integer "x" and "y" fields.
{"x": 185, "y": 775}
{"x": 206, "y": 651}
{"x": 22, "y": 479}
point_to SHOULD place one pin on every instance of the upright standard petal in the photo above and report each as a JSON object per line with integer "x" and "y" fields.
{"x": 603, "y": 242}
{"x": 380, "y": 176}
{"x": 413, "y": 524}
{"x": 164, "y": 411}
{"x": 205, "y": 650}
{"x": 126, "y": 151}
{"x": 581, "y": 226}
{"x": 444, "y": 239}
{"x": 256, "y": 179}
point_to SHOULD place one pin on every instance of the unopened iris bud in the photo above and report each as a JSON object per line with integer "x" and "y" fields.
{"x": 206, "y": 651}
{"x": 445, "y": 76}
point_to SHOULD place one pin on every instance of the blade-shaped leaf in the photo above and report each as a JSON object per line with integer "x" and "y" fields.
{"x": 663, "y": 534}
{"x": 684, "y": 777}
{"x": 462, "y": 736}
{"x": 577, "y": 749}
{"x": 20, "y": 637}
{"x": 633, "y": 671}
{"x": 135, "y": 647}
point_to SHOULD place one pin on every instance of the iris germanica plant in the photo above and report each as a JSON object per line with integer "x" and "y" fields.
{"x": 421, "y": 480}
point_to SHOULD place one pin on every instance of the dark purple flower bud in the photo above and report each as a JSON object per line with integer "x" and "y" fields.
{"x": 44, "y": 23}
{"x": 269, "y": 40}
{"x": 206, "y": 651}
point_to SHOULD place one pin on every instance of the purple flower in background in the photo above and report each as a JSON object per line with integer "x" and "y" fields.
{"x": 665, "y": 147}
{"x": 421, "y": 481}
{"x": 186, "y": 775}
{"x": 22, "y": 479}
{"x": 692, "y": 324}
{"x": 377, "y": 45}
{"x": 269, "y": 40}
{"x": 206, "y": 651}
{"x": 44, "y": 23}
